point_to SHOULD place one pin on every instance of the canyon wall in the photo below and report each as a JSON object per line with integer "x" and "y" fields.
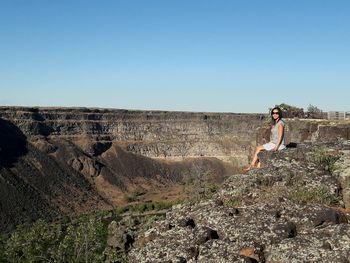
{"x": 165, "y": 134}
{"x": 157, "y": 134}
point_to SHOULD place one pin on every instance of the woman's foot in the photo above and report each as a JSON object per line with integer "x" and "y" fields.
{"x": 248, "y": 168}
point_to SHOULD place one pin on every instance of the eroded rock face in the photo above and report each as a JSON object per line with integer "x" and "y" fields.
{"x": 288, "y": 211}
{"x": 342, "y": 171}
{"x": 157, "y": 134}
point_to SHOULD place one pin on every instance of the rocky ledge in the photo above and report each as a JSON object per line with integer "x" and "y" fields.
{"x": 291, "y": 210}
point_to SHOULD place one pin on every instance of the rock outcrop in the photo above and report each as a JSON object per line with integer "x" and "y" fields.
{"x": 342, "y": 171}
{"x": 291, "y": 210}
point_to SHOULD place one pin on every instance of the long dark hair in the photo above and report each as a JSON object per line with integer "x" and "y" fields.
{"x": 279, "y": 114}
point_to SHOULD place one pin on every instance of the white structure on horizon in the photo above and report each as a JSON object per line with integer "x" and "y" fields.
{"x": 338, "y": 115}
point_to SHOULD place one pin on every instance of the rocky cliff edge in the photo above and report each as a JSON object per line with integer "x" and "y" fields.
{"x": 291, "y": 210}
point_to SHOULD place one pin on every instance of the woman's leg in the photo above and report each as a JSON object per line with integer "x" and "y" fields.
{"x": 255, "y": 162}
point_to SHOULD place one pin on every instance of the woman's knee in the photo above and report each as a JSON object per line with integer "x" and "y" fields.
{"x": 259, "y": 148}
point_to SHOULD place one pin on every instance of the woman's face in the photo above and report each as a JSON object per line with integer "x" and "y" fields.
{"x": 275, "y": 114}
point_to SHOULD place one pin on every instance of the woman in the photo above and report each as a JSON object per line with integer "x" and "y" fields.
{"x": 276, "y": 139}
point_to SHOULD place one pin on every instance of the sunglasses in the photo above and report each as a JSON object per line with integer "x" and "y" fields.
{"x": 275, "y": 112}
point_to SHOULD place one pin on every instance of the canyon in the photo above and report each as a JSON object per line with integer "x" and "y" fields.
{"x": 58, "y": 161}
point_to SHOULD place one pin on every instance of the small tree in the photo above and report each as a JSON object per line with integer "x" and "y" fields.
{"x": 314, "y": 112}
{"x": 313, "y": 109}
{"x": 290, "y": 111}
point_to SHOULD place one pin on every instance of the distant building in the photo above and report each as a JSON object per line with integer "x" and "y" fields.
{"x": 338, "y": 115}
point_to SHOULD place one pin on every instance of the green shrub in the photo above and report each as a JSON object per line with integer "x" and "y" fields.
{"x": 163, "y": 205}
{"x": 2, "y": 249}
{"x": 112, "y": 255}
{"x": 128, "y": 198}
{"x": 142, "y": 207}
{"x": 72, "y": 239}
{"x": 149, "y": 206}
{"x": 326, "y": 159}
{"x": 34, "y": 244}
{"x": 82, "y": 239}
{"x": 84, "y": 242}
{"x": 232, "y": 203}
{"x": 320, "y": 195}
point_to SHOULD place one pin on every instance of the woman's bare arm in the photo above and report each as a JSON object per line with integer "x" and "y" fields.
{"x": 280, "y": 136}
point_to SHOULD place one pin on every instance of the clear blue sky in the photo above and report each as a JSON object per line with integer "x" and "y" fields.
{"x": 184, "y": 55}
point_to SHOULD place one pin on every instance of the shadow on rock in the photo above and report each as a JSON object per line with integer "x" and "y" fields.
{"x": 13, "y": 143}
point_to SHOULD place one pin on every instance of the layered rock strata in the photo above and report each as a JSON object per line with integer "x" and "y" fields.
{"x": 165, "y": 135}
{"x": 156, "y": 134}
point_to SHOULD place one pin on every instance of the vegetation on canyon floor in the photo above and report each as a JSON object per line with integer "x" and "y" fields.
{"x": 77, "y": 239}
{"x": 84, "y": 238}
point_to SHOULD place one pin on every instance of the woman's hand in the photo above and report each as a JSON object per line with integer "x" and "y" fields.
{"x": 275, "y": 149}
